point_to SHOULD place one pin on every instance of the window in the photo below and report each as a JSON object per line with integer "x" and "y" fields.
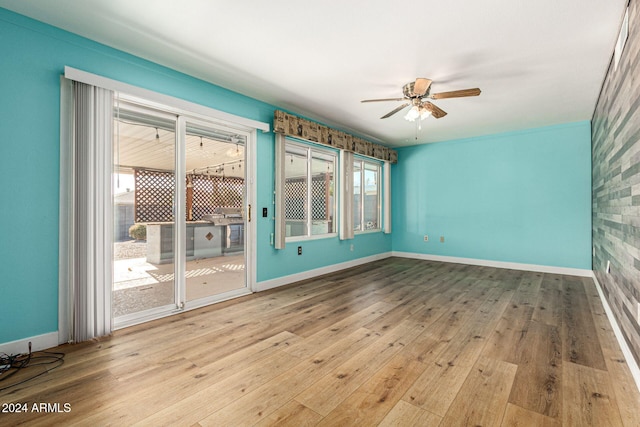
{"x": 309, "y": 191}
{"x": 366, "y": 195}
{"x": 622, "y": 39}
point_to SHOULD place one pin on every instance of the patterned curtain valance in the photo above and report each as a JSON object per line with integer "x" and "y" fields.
{"x": 297, "y": 127}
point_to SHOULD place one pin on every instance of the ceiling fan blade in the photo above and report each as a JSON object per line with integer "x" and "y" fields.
{"x": 383, "y": 99}
{"x": 421, "y": 86}
{"x": 456, "y": 94}
{"x": 435, "y": 111}
{"x": 392, "y": 112}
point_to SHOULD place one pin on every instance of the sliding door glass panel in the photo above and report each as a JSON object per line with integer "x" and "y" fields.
{"x": 143, "y": 198}
{"x": 215, "y": 214}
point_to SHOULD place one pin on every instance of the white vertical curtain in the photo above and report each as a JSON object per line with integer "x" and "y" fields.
{"x": 280, "y": 231}
{"x": 346, "y": 195}
{"x": 386, "y": 203}
{"x": 91, "y": 232}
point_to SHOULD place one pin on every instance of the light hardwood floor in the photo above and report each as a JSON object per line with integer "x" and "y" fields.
{"x": 398, "y": 342}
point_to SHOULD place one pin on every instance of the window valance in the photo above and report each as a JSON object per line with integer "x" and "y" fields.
{"x": 297, "y": 127}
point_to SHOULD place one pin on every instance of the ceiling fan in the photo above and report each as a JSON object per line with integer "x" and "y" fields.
{"x": 415, "y": 94}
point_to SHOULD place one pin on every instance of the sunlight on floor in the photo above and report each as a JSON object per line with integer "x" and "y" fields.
{"x": 139, "y": 285}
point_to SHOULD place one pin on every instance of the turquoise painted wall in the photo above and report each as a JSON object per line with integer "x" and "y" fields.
{"x": 33, "y": 58}
{"x": 520, "y": 197}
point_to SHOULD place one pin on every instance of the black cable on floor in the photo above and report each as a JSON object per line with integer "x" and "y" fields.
{"x": 12, "y": 364}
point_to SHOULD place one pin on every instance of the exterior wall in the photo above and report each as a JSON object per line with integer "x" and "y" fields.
{"x": 519, "y": 197}
{"x": 616, "y": 186}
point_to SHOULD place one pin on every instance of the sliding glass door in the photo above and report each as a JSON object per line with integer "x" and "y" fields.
{"x": 180, "y": 213}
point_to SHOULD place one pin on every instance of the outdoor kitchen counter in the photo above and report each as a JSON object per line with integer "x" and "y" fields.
{"x": 203, "y": 239}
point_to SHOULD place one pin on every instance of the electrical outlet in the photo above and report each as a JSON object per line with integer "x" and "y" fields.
{"x": 351, "y": 247}
{"x": 299, "y": 250}
{"x": 441, "y": 239}
{"x": 426, "y": 238}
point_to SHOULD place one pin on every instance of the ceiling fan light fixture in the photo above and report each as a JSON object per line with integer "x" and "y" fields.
{"x": 412, "y": 114}
{"x": 417, "y": 112}
{"x": 424, "y": 113}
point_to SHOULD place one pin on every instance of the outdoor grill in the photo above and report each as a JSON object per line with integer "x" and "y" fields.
{"x": 231, "y": 219}
{"x": 225, "y": 216}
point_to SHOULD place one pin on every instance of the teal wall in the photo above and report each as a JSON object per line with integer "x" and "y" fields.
{"x": 518, "y": 197}
{"x": 522, "y": 197}
{"x": 33, "y": 58}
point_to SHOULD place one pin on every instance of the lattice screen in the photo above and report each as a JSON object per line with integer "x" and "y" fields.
{"x": 296, "y": 192}
{"x": 318, "y": 193}
{"x": 154, "y": 195}
{"x": 210, "y": 192}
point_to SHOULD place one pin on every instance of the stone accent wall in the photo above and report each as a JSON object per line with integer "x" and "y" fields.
{"x": 615, "y": 136}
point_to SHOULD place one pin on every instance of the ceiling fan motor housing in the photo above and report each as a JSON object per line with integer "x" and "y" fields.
{"x": 409, "y": 93}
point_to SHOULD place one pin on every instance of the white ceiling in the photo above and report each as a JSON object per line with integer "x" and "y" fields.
{"x": 136, "y": 146}
{"x": 538, "y": 63}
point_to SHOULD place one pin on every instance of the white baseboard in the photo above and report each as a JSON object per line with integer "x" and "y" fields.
{"x": 292, "y": 278}
{"x": 497, "y": 264}
{"x": 631, "y": 361}
{"x": 285, "y": 280}
{"x": 39, "y": 342}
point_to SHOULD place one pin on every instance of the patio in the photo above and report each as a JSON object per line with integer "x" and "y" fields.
{"x": 139, "y": 285}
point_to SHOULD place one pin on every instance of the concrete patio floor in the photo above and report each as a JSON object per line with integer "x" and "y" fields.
{"x": 139, "y": 285}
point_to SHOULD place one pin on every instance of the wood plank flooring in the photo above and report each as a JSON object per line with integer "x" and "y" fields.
{"x": 397, "y": 342}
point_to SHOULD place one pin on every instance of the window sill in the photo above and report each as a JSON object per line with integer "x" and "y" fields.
{"x": 375, "y": 230}
{"x": 306, "y": 238}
